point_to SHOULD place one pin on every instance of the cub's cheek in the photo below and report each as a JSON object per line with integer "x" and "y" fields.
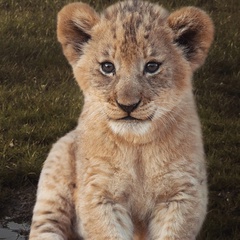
{"x": 113, "y": 113}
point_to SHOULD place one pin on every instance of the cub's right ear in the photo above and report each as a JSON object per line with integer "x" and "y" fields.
{"x": 194, "y": 31}
{"x": 75, "y": 22}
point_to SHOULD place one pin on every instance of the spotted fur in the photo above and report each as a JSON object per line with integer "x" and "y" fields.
{"x": 134, "y": 166}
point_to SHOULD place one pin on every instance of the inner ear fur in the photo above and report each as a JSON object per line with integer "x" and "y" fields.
{"x": 74, "y": 25}
{"x": 193, "y": 33}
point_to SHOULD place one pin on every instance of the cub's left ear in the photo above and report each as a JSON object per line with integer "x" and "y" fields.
{"x": 193, "y": 33}
{"x": 75, "y": 22}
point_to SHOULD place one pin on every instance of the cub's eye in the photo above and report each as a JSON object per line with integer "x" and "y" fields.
{"x": 151, "y": 67}
{"x": 107, "y": 68}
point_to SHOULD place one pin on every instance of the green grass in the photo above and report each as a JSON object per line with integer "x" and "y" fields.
{"x": 40, "y": 101}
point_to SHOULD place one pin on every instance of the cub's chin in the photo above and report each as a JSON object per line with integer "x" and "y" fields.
{"x": 130, "y": 126}
{"x": 135, "y": 127}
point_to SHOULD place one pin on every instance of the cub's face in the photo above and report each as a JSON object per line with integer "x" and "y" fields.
{"x": 134, "y": 61}
{"x": 137, "y": 76}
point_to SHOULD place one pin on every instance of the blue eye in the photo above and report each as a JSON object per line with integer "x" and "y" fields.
{"x": 108, "y": 68}
{"x": 151, "y": 67}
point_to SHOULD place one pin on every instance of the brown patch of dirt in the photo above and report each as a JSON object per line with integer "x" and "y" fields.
{"x": 19, "y": 207}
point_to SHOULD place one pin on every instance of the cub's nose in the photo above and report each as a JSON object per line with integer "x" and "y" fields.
{"x": 128, "y": 108}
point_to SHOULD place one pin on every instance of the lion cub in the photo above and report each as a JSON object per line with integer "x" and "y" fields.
{"x": 134, "y": 166}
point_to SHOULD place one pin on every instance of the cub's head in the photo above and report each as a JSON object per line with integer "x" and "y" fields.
{"x": 134, "y": 61}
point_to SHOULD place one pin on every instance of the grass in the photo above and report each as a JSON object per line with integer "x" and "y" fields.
{"x": 40, "y": 101}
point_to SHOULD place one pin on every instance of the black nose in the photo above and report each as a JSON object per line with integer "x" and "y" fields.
{"x": 128, "y": 108}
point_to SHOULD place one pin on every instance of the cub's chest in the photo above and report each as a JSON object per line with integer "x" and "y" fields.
{"x": 138, "y": 181}
{"x": 133, "y": 177}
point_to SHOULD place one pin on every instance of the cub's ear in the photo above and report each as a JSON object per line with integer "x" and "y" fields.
{"x": 193, "y": 33}
{"x": 75, "y": 22}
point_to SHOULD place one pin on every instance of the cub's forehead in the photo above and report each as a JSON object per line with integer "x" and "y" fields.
{"x": 141, "y": 12}
{"x": 130, "y": 24}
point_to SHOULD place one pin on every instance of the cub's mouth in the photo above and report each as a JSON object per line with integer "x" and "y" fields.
{"x": 140, "y": 116}
{"x": 134, "y": 119}
{"x": 129, "y": 118}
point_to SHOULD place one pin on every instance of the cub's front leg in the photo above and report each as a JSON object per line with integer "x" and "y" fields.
{"x": 181, "y": 216}
{"x": 102, "y": 217}
{"x": 53, "y": 213}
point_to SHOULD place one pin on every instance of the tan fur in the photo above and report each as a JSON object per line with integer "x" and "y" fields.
{"x": 142, "y": 178}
